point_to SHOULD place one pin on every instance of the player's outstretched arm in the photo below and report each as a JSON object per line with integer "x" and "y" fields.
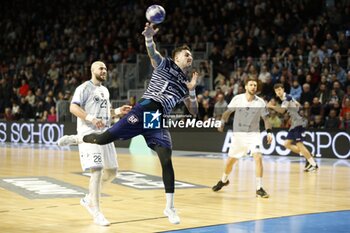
{"x": 121, "y": 111}
{"x": 278, "y": 109}
{"x": 154, "y": 55}
{"x": 191, "y": 101}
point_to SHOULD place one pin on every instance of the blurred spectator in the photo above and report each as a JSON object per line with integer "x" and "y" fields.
{"x": 264, "y": 74}
{"x": 220, "y": 106}
{"x": 30, "y": 98}
{"x": 295, "y": 90}
{"x": 317, "y": 122}
{"x": 205, "y": 110}
{"x": 286, "y": 122}
{"x": 52, "y": 117}
{"x": 340, "y": 73}
{"x": 346, "y": 108}
{"x": 332, "y": 121}
{"x": 316, "y": 107}
{"x": 24, "y": 88}
{"x": 274, "y": 120}
{"x": 306, "y": 95}
{"x": 345, "y": 124}
{"x": 322, "y": 93}
{"x": 8, "y": 116}
{"x": 267, "y": 89}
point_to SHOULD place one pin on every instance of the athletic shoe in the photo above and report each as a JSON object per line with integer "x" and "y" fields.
{"x": 68, "y": 140}
{"x": 99, "y": 219}
{"x": 172, "y": 215}
{"x": 311, "y": 168}
{"x": 262, "y": 193}
{"x": 219, "y": 185}
{"x": 85, "y": 202}
{"x": 307, "y": 161}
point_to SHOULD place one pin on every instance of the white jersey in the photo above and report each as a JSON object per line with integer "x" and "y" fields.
{"x": 247, "y": 113}
{"x": 95, "y": 101}
{"x": 292, "y": 107}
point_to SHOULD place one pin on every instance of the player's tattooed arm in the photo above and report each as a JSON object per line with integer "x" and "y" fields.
{"x": 148, "y": 32}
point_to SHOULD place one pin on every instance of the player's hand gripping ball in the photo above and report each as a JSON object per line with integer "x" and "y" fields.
{"x": 155, "y": 14}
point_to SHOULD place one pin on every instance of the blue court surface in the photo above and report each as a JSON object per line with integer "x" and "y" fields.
{"x": 328, "y": 222}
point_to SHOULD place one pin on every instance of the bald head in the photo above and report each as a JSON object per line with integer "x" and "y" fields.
{"x": 99, "y": 71}
{"x": 96, "y": 65}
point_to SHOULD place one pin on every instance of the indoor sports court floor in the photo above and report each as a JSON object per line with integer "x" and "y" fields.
{"x": 40, "y": 188}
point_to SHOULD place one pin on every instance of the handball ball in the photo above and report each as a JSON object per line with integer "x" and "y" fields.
{"x": 155, "y": 14}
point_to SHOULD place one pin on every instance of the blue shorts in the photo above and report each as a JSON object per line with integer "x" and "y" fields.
{"x": 296, "y": 134}
{"x": 131, "y": 125}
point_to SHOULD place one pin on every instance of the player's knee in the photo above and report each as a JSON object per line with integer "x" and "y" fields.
{"x": 110, "y": 174}
{"x": 287, "y": 144}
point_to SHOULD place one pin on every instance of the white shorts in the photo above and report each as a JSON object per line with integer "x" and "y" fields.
{"x": 97, "y": 156}
{"x": 242, "y": 143}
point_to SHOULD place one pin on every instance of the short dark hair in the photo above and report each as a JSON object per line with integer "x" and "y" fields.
{"x": 278, "y": 85}
{"x": 179, "y": 49}
{"x": 251, "y": 79}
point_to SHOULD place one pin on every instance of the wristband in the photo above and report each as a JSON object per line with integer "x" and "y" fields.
{"x": 222, "y": 122}
{"x": 149, "y": 39}
{"x": 89, "y": 117}
{"x": 193, "y": 99}
{"x": 192, "y": 93}
{"x": 268, "y": 130}
{"x": 117, "y": 111}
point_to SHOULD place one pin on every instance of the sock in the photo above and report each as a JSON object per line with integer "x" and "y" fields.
{"x": 95, "y": 190}
{"x": 312, "y": 161}
{"x": 169, "y": 200}
{"x": 258, "y": 183}
{"x": 79, "y": 139}
{"x": 224, "y": 178}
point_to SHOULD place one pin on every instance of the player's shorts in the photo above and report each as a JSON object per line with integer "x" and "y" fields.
{"x": 97, "y": 156}
{"x": 132, "y": 125}
{"x": 242, "y": 142}
{"x": 296, "y": 134}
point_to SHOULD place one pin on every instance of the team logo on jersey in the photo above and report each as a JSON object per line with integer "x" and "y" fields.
{"x": 96, "y": 98}
{"x": 133, "y": 119}
{"x": 151, "y": 120}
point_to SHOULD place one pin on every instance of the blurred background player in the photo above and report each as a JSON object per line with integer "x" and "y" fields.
{"x": 248, "y": 109}
{"x": 91, "y": 105}
{"x": 297, "y": 128}
{"x": 168, "y": 86}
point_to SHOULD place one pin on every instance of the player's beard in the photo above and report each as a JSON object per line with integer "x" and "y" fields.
{"x": 98, "y": 77}
{"x": 251, "y": 92}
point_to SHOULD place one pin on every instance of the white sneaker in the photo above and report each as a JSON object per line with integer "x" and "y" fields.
{"x": 172, "y": 215}
{"x": 85, "y": 202}
{"x": 68, "y": 140}
{"x": 99, "y": 219}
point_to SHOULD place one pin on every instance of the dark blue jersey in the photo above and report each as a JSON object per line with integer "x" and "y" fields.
{"x": 167, "y": 85}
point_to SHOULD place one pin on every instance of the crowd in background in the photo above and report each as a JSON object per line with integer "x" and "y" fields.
{"x": 46, "y": 51}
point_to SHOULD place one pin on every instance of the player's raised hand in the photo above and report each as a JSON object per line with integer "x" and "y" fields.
{"x": 125, "y": 109}
{"x": 192, "y": 85}
{"x": 149, "y": 30}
